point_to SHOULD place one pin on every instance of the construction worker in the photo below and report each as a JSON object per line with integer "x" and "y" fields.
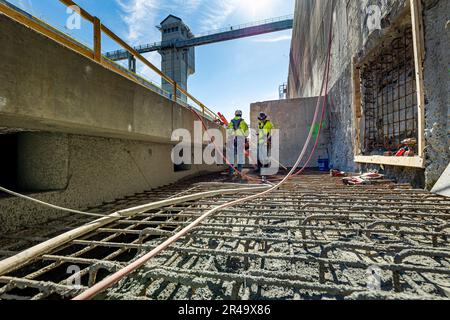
{"x": 237, "y": 133}
{"x": 265, "y": 128}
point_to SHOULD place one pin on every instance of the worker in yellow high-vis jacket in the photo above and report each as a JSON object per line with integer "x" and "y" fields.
{"x": 238, "y": 131}
{"x": 265, "y": 128}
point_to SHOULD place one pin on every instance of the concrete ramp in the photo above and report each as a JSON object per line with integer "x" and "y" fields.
{"x": 442, "y": 187}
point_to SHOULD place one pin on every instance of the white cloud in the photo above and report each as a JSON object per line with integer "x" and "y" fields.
{"x": 274, "y": 39}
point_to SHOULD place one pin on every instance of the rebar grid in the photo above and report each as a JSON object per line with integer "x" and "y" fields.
{"x": 314, "y": 238}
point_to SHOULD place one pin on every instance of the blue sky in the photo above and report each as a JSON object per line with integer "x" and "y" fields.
{"x": 228, "y": 75}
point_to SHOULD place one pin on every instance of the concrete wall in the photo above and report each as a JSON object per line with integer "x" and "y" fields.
{"x": 293, "y": 117}
{"x": 352, "y": 37}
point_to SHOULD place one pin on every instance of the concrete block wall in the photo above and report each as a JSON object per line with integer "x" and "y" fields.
{"x": 351, "y": 37}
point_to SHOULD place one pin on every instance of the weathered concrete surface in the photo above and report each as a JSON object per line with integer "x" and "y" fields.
{"x": 45, "y": 86}
{"x": 442, "y": 187}
{"x": 293, "y": 117}
{"x": 97, "y": 170}
{"x": 353, "y": 37}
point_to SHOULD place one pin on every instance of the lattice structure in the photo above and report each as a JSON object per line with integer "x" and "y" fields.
{"x": 389, "y": 95}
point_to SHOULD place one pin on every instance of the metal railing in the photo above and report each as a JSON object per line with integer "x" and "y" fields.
{"x": 96, "y": 53}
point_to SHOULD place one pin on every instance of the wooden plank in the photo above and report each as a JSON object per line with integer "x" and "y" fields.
{"x": 419, "y": 56}
{"x": 412, "y": 162}
{"x": 45, "y": 30}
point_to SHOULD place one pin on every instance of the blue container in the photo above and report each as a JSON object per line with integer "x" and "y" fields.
{"x": 324, "y": 164}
